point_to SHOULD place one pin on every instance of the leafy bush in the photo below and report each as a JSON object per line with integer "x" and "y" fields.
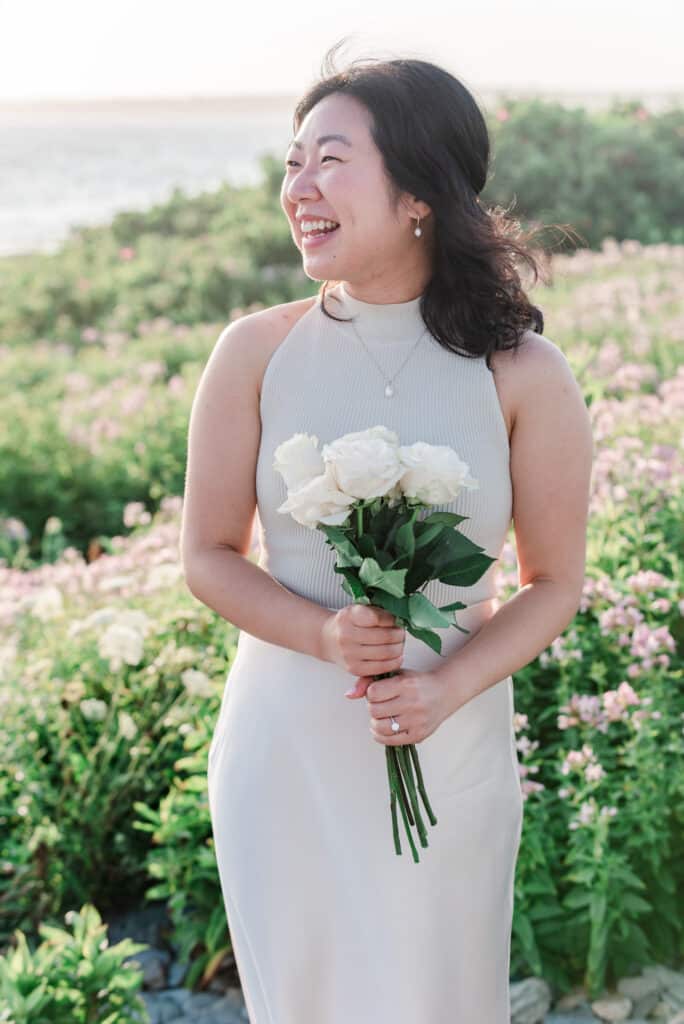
{"x": 183, "y": 863}
{"x": 96, "y": 702}
{"x": 72, "y": 977}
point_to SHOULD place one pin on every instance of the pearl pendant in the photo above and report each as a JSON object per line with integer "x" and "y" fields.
{"x": 389, "y": 391}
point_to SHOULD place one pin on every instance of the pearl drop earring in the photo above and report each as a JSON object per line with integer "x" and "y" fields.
{"x": 418, "y": 231}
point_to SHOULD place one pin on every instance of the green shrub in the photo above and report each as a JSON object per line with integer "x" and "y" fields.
{"x": 71, "y": 977}
{"x": 96, "y": 704}
{"x": 183, "y": 863}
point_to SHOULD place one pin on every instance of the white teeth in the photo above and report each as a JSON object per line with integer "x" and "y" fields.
{"x": 318, "y": 225}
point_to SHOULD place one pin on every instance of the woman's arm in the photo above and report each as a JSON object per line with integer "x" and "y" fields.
{"x": 219, "y": 504}
{"x": 251, "y": 599}
{"x": 551, "y": 461}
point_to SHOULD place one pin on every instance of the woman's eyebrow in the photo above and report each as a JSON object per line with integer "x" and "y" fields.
{"x": 323, "y": 138}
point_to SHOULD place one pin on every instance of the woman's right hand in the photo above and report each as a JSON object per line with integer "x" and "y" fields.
{"x": 363, "y": 640}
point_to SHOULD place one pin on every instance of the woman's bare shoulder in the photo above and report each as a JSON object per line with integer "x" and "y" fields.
{"x": 263, "y": 330}
{"x": 520, "y": 372}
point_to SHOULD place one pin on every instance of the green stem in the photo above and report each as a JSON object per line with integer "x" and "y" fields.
{"x": 421, "y": 784}
{"x": 395, "y": 823}
{"x": 405, "y": 760}
{"x": 400, "y": 784}
{"x": 404, "y": 813}
{"x": 393, "y": 802}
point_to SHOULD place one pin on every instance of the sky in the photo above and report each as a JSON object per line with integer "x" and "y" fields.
{"x": 93, "y": 49}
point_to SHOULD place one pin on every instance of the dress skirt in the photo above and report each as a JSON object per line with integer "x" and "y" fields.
{"x": 328, "y": 924}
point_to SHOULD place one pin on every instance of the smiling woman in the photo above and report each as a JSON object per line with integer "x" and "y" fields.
{"x": 435, "y": 341}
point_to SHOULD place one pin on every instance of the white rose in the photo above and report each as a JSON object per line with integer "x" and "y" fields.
{"x": 365, "y": 464}
{"x": 433, "y": 473}
{"x": 318, "y": 501}
{"x": 298, "y": 460}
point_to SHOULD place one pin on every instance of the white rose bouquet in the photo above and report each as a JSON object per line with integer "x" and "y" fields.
{"x": 364, "y": 492}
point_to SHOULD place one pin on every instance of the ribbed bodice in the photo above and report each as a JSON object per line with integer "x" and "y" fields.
{"x": 320, "y": 380}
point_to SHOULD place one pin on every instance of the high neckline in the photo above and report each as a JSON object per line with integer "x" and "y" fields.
{"x": 381, "y": 322}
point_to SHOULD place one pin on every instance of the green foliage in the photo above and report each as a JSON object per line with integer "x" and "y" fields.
{"x": 608, "y": 174}
{"x": 183, "y": 863}
{"x": 385, "y": 557}
{"x": 71, "y": 977}
{"x": 85, "y": 737}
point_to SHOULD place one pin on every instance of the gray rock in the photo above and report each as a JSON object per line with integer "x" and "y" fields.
{"x": 177, "y": 972}
{"x": 145, "y": 925}
{"x": 612, "y": 1007}
{"x": 572, "y": 1017}
{"x": 161, "y": 1007}
{"x": 575, "y": 999}
{"x": 671, "y": 983}
{"x": 224, "y": 1012}
{"x": 643, "y": 990}
{"x": 153, "y": 963}
{"x": 530, "y": 1001}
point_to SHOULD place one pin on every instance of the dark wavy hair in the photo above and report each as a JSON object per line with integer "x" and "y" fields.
{"x": 435, "y": 145}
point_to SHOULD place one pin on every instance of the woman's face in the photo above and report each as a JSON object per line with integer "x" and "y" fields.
{"x": 343, "y": 180}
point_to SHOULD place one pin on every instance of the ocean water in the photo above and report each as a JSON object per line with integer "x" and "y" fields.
{"x": 80, "y": 163}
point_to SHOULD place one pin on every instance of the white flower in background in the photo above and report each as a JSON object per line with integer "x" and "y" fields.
{"x": 197, "y": 683}
{"x": 134, "y": 618}
{"x": 162, "y": 576}
{"x": 110, "y": 614}
{"x": 47, "y": 604}
{"x": 365, "y": 464}
{"x": 101, "y": 617}
{"x": 318, "y": 501}
{"x": 127, "y": 726}
{"x": 92, "y": 709}
{"x": 121, "y": 644}
{"x": 433, "y": 473}
{"x": 298, "y": 460}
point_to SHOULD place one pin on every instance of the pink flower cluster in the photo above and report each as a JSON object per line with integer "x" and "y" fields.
{"x": 525, "y": 746}
{"x": 599, "y": 711}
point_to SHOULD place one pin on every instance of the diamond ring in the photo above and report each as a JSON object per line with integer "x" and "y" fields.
{"x": 395, "y": 725}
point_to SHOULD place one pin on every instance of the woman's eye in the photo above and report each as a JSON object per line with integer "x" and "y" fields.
{"x": 288, "y": 163}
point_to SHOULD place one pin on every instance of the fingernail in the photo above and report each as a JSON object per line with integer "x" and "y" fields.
{"x": 350, "y": 693}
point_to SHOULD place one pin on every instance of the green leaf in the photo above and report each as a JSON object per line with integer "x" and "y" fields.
{"x": 447, "y": 518}
{"x": 424, "y": 537}
{"x": 466, "y": 572}
{"x": 453, "y": 607}
{"x": 397, "y": 606}
{"x": 390, "y": 580}
{"x": 353, "y": 586}
{"x": 424, "y": 614}
{"x": 433, "y": 640}
{"x": 347, "y": 555}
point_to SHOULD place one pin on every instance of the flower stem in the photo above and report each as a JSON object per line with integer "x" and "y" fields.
{"x": 405, "y": 760}
{"x": 421, "y": 785}
{"x": 404, "y": 813}
{"x": 400, "y": 784}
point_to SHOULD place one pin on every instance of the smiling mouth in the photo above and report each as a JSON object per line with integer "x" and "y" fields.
{"x": 318, "y": 234}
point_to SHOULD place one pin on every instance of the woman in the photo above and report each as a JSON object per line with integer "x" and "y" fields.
{"x": 425, "y": 329}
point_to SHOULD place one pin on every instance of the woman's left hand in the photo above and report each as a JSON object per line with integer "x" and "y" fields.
{"x": 415, "y": 699}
